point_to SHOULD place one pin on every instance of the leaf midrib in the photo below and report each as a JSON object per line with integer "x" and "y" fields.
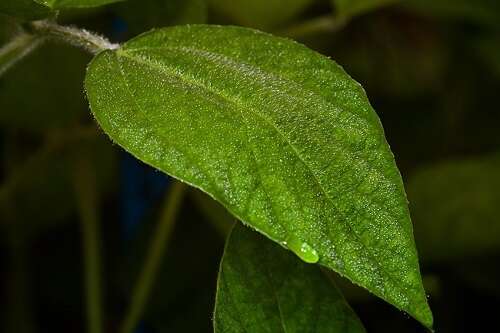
{"x": 190, "y": 80}
{"x": 231, "y": 64}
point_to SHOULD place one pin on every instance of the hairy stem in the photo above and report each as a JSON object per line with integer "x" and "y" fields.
{"x": 19, "y": 47}
{"x": 86, "y": 194}
{"x": 82, "y": 38}
{"x": 146, "y": 279}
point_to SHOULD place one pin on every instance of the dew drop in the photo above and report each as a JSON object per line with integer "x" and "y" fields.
{"x": 303, "y": 250}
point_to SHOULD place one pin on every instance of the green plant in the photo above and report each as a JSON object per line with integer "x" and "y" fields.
{"x": 278, "y": 134}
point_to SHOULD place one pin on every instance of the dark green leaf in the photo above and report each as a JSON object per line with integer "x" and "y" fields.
{"x": 263, "y": 288}
{"x": 32, "y": 9}
{"x": 455, "y": 208}
{"x": 260, "y": 13}
{"x": 28, "y": 9}
{"x": 277, "y": 133}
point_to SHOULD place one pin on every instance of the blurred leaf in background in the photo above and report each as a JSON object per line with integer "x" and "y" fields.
{"x": 455, "y": 208}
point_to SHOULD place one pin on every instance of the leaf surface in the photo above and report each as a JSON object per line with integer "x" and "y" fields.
{"x": 263, "y": 288}
{"x": 277, "y": 133}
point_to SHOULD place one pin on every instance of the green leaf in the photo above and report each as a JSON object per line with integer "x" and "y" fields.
{"x": 260, "y": 13}
{"x": 263, "y": 288}
{"x": 455, "y": 208}
{"x": 277, "y": 133}
{"x": 350, "y": 8}
{"x": 16, "y": 49}
{"x": 28, "y": 9}
{"x": 33, "y": 9}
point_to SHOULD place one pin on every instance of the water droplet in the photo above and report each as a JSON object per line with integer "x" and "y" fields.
{"x": 303, "y": 250}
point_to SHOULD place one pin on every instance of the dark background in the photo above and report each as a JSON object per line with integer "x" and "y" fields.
{"x": 432, "y": 72}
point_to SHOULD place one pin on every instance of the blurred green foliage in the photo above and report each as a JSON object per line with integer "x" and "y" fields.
{"x": 432, "y": 71}
{"x": 455, "y": 208}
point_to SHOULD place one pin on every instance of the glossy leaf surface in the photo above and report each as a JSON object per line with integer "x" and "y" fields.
{"x": 263, "y": 288}
{"x": 277, "y": 133}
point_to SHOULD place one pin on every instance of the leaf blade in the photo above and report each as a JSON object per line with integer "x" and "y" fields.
{"x": 262, "y": 288}
{"x": 274, "y": 133}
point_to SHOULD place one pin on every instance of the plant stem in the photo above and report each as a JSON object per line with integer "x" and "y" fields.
{"x": 19, "y": 309}
{"x": 16, "y": 49}
{"x": 156, "y": 251}
{"x": 82, "y": 38}
{"x": 54, "y": 144}
{"x": 86, "y": 194}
